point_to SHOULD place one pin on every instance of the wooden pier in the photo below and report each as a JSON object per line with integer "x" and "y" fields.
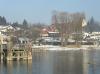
{"x": 16, "y": 55}
{"x": 19, "y": 55}
{"x": 21, "y": 52}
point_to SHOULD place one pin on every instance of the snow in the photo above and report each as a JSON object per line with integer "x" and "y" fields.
{"x": 57, "y": 48}
{"x": 63, "y": 48}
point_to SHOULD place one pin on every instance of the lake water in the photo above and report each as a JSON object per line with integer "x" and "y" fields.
{"x": 56, "y": 62}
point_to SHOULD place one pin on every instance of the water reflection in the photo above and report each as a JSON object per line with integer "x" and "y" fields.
{"x": 16, "y": 67}
{"x": 56, "y": 62}
{"x": 94, "y": 64}
{"x": 68, "y": 63}
{"x": 42, "y": 62}
{"x": 85, "y": 62}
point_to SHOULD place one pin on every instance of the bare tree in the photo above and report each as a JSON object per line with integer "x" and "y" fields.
{"x": 68, "y": 24}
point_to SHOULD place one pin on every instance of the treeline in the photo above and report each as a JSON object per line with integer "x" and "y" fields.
{"x": 92, "y": 26}
{"x": 24, "y": 25}
{"x": 31, "y": 31}
{"x": 3, "y": 21}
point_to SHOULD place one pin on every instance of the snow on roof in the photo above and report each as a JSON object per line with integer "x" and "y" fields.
{"x": 6, "y": 27}
{"x": 53, "y": 32}
{"x": 23, "y": 39}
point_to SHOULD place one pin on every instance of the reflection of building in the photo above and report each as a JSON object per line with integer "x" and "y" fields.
{"x": 23, "y": 67}
{"x": 85, "y": 62}
{"x": 68, "y": 62}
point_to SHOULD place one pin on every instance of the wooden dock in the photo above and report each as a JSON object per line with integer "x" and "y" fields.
{"x": 21, "y": 53}
{"x": 16, "y": 55}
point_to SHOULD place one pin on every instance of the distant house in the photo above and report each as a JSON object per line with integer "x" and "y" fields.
{"x": 23, "y": 40}
{"x": 22, "y": 43}
{"x": 44, "y": 32}
{"x": 50, "y": 35}
{"x": 5, "y": 28}
{"x": 3, "y": 41}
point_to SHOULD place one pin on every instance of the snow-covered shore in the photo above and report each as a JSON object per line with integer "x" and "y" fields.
{"x": 59, "y": 48}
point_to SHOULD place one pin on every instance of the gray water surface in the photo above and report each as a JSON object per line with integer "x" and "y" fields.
{"x": 56, "y": 62}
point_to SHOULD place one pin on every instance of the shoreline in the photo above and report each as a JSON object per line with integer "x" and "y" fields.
{"x": 60, "y": 48}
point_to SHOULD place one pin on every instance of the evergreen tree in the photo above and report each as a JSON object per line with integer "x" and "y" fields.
{"x": 25, "y": 24}
{"x": 15, "y": 24}
{"x": 3, "y": 21}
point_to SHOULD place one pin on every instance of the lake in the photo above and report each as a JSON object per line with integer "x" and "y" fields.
{"x": 56, "y": 62}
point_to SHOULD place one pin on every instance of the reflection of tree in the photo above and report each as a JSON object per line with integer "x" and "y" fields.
{"x": 20, "y": 67}
{"x": 69, "y": 62}
{"x": 29, "y": 67}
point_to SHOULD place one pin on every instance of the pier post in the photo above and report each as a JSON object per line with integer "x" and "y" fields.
{"x": 9, "y": 56}
{"x": 29, "y": 57}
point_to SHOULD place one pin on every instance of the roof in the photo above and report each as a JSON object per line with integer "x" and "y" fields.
{"x": 23, "y": 39}
{"x": 52, "y": 32}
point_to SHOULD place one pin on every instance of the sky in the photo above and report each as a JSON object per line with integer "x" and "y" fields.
{"x": 35, "y": 11}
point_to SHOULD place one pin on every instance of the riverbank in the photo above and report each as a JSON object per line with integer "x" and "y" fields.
{"x": 59, "y": 48}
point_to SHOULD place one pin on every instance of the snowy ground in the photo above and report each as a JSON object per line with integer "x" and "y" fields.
{"x": 52, "y": 47}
